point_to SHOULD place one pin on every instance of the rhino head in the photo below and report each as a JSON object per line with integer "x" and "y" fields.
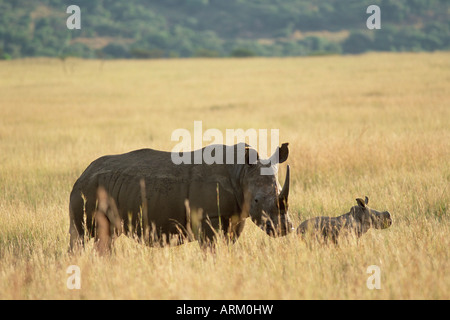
{"x": 370, "y": 218}
{"x": 266, "y": 203}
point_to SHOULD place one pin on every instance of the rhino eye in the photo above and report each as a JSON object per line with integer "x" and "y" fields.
{"x": 256, "y": 200}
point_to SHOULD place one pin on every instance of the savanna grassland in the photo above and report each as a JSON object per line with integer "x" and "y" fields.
{"x": 375, "y": 125}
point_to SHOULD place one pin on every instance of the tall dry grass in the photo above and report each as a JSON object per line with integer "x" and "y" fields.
{"x": 375, "y": 125}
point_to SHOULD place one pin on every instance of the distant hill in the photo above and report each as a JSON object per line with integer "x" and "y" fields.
{"x": 217, "y": 28}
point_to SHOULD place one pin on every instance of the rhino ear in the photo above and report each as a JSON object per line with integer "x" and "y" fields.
{"x": 251, "y": 156}
{"x": 361, "y": 202}
{"x": 280, "y": 155}
{"x": 366, "y": 200}
{"x": 283, "y": 152}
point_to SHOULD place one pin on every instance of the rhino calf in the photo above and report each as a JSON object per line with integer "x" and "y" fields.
{"x": 357, "y": 221}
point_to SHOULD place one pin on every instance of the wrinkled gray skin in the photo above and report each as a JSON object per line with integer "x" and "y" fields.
{"x": 358, "y": 221}
{"x": 112, "y": 188}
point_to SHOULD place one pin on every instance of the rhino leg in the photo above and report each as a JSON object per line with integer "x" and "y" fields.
{"x": 75, "y": 232}
{"x": 76, "y": 213}
{"x": 207, "y": 234}
{"x": 230, "y": 229}
{"x": 107, "y": 221}
{"x": 103, "y": 238}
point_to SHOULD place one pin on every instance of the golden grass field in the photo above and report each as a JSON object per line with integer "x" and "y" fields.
{"x": 375, "y": 125}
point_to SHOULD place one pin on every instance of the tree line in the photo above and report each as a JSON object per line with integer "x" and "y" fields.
{"x": 217, "y": 28}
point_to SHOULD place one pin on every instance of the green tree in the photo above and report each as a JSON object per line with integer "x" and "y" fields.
{"x": 357, "y": 42}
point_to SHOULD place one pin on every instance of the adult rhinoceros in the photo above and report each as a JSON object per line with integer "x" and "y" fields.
{"x": 145, "y": 194}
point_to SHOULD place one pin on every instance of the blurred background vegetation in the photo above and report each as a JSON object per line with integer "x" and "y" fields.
{"x": 218, "y": 28}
